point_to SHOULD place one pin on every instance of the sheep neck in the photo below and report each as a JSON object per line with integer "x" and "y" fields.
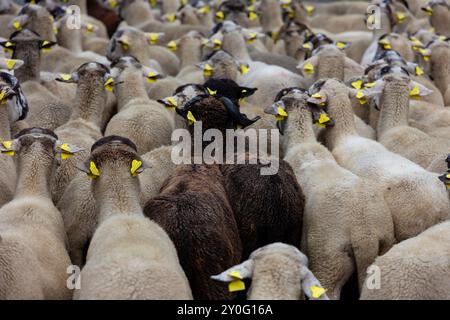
{"x": 30, "y": 71}
{"x": 394, "y": 106}
{"x": 34, "y": 172}
{"x": 90, "y": 100}
{"x": 340, "y": 110}
{"x": 170, "y": 6}
{"x": 440, "y": 67}
{"x": 440, "y": 19}
{"x": 271, "y": 17}
{"x": 234, "y": 43}
{"x": 70, "y": 39}
{"x": 43, "y": 25}
{"x": 299, "y": 125}
{"x": 191, "y": 53}
{"x": 269, "y": 283}
{"x": 5, "y": 128}
{"x": 331, "y": 66}
{"x": 116, "y": 192}
{"x": 137, "y": 13}
{"x": 131, "y": 87}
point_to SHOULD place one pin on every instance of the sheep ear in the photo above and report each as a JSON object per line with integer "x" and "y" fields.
{"x": 318, "y": 98}
{"x": 311, "y": 286}
{"x": 154, "y": 37}
{"x": 67, "y": 78}
{"x": 418, "y": 90}
{"x": 151, "y": 74}
{"x": 246, "y": 92}
{"x": 10, "y": 64}
{"x": 46, "y": 45}
{"x": 18, "y": 22}
{"x": 207, "y": 68}
{"x": 137, "y": 166}
{"x": 240, "y": 271}
{"x": 67, "y": 150}
{"x": 90, "y": 168}
{"x": 309, "y": 66}
{"x": 8, "y": 147}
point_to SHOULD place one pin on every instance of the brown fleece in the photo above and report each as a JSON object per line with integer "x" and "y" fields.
{"x": 194, "y": 210}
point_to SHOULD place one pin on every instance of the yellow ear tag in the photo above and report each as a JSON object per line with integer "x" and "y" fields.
{"x": 252, "y": 38}
{"x": 109, "y": 84}
{"x": 112, "y": 3}
{"x": 204, "y": 9}
{"x": 173, "y": 103}
{"x": 2, "y": 97}
{"x": 371, "y": 19}
{"x": 309, "y": 9}
{"x": 10, "y": 63}
{"x": 16, "y": 25}
{"x": 8, "y": 145}
{"x": 65, "y": 76}
{"x": 207, "y": 70}
{"x": 45, "y": 47}
{"x": 191, "y": 119}
{"x": 172, "y": 45}
{"x": 211, "y": 92}
{"x": 361, "y": 97}
{"x": 419, "y": 71}
{"x": 415, "y": 92}
{"x": 66, "y": 151}
{"x": 94, "y": 170}
{"x": 235, "y": 274}
{"x": 400, "y": 17}
{"x": 308, "y": 68}
{"x": 369, "y": 84}
{"x": 386, "y": 44}
{"x": 252, "y": 16}
{"x": 341, "y": 45}
{"x": 153, "y": 37}
{"x": 316, "y": 96}
{"x": 171, "y": 17}
{"x": 135, "y": 165}
{"x": 220, "y": 15}
{"x": 244, "y": 69}
{"x": 307, "y": 46}
{"x": 217, "y": 44}
{"x": 357, "y": 84}
{"x": 317, "y": 292}
{"x": 281, "y": 114}
{"x": 236, "y": 285}
{"x": 90, "y": 27}
{"x": 429, "y": 11}
{"x": 151, "y": 77}
{"x": 125, "y": 45}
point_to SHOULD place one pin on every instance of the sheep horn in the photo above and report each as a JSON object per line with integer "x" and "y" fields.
{"x": 239, "y": 117}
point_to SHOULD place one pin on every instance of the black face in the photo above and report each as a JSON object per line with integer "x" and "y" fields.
{"x": 229, "y": 89}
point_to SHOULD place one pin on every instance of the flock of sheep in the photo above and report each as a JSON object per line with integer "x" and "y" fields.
{"x": 92, "y": 205}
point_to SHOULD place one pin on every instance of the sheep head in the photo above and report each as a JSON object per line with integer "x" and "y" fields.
{"x": 281, "y": 257}
{"x": 221, "y": 64}
{"x": 92, "y": 73}
{"x": 43, "y": 141}
{"x": 113, "y": 155}
{"x": 11, "y": 95}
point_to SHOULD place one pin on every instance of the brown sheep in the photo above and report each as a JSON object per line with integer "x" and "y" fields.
{"x": 193, "y": 209}
{"x": 267, "y": 208}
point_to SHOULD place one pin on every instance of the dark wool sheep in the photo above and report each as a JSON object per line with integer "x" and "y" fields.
{"x": 194, "y": 210}
{"x": 267, "y": 208}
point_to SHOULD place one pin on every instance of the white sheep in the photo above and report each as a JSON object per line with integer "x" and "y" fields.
{"x": 278, "y": 272}
{"x": 129, "y": 256}
{"x": 33, "y": 253}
